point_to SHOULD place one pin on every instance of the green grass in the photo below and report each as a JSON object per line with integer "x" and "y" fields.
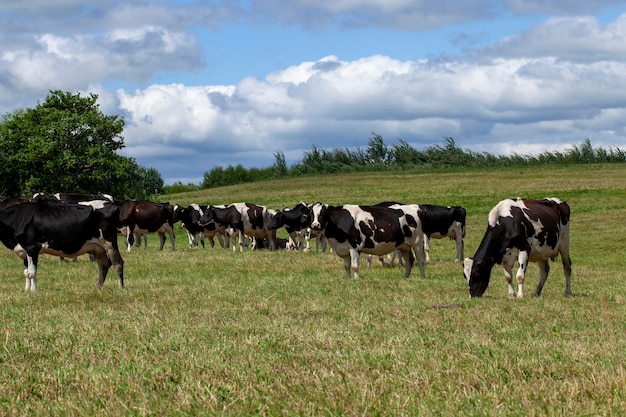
{"x": 209, "y": 331}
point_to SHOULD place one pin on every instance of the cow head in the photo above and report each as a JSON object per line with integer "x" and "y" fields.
{"x": 477, "y": 275}
{"x": 277, "y": 221}
{"x": 318, "y": 216}
{"x": 207, "y": 217}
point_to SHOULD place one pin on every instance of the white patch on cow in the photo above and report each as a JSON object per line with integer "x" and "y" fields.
{"x": 95, "y": 204}
{"x": 468, "y": 263}
{"x": 20, "y": 251}
{"x": 503, "y": 209}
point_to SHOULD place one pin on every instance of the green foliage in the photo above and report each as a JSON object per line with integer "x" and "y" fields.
{"x": 66, "y": 144}
{"x": 178, "y": 187}
{"x": 279, "y": 169}
{"x": 152, "y": 182}
{"x": 379, "y": 157}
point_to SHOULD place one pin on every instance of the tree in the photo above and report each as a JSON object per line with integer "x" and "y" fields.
{"x": 376, "y": 150}
{"x": 152, "y": 181}
{"x": 66, "y": 144}
{"x": 279, "y": 169}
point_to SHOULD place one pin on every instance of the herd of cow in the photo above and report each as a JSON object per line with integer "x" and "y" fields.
{"x": 68, "y": 225}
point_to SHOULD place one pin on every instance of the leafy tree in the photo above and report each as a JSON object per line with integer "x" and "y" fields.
{"x": 152, "y": 181}
{"x": 279, "y": 169}
{"x": 376, "y": 150}
{"x": 66, "y": 144}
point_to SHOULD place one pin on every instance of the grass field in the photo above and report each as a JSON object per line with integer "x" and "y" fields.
{"x": 209, "y": 331}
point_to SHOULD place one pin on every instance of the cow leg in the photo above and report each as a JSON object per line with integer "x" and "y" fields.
{"x": 567, "y": 269}
{"x": 104, "y": 263}
{"x": 544, "y": 269}
{"x": 161, "y": 240}
{"x": 347, "y": 262}
{"x": 220, "y": 239}
{"x": 508, "y": 276}
{"x": 240, "y": 241}
{"x": 192, "y": 240}
{"x": 522, "y": 259}
{"x": 459, "y": 246}
{"x": 418, "y": 248}
{"x": 307, "y": 239}
{"x": 272, "y": 238}
{"x": 170, "y": 231}
{"x": 396, "y": 254}
{"x": 427, "y": 247}
{"x": 291, "y": 243}
{"x": 567, "y": 264}
{"x": 355, "y": 259}
{"x": 115, "y": 258}
{"x": 30, "y": 272}
{"x": 130, "y": 238}
{"x": 409, "y": 260}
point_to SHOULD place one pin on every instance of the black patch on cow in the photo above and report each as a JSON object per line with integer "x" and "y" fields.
{"x": 255, "y": 214}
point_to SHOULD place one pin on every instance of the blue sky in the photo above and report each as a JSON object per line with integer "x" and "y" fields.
{"x": 201, "y": 84}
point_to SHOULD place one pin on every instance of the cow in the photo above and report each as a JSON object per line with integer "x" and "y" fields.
{"x": 297, "y": 222}
{"x": 526, "y": 231}
{"x": 190, "y": 217}
{"x": 351, "y": 230}
{"x": 439, "y": 222}
{"x": 246, "y": 219}
{"x": 147, "y": 217}
{"x": 97, "y": 201}
{"x": 62, "y": 229}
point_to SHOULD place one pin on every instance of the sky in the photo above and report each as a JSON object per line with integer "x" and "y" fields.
{"x": 202, "y": 84}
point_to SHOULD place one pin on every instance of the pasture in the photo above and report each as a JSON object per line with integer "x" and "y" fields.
{"x": 209, "y": 331}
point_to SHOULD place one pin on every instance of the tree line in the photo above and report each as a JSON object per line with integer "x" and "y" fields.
{"x": 66, "y": 144}
{"x": 377, "y": 156}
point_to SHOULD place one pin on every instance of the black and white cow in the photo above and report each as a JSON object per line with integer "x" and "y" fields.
{"x": 297, "y": 222}
{"x": 523, "y": 231}
{"x": 439, "y": 222}
{"x": 351, "y": 230}
{"x": 246, "y": 219}
{"x": 190, "y": 218}
{"x": 62, "y": 229}
{"x": 145, "y": 217}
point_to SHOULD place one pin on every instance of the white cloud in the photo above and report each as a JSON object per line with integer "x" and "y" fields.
{"x": 520, "y": 101}
{"x": 580, "y": 39}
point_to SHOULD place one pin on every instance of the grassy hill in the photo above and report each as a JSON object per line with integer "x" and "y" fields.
{"x": 209, "y": 331}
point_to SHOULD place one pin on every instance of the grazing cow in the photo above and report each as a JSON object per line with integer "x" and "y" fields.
{"x": 147, "y": 217}
{"x": 246, "y": 219}
{"x": 297, "y": 222}
{"x": 190, "y": 217}
{"x": 62, "y": 229}
{"x": 352, "y": 229}
{"x": 526, "y": 231}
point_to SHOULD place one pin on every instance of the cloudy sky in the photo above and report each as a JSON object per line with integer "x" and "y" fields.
{"x": 226, "y": 82}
